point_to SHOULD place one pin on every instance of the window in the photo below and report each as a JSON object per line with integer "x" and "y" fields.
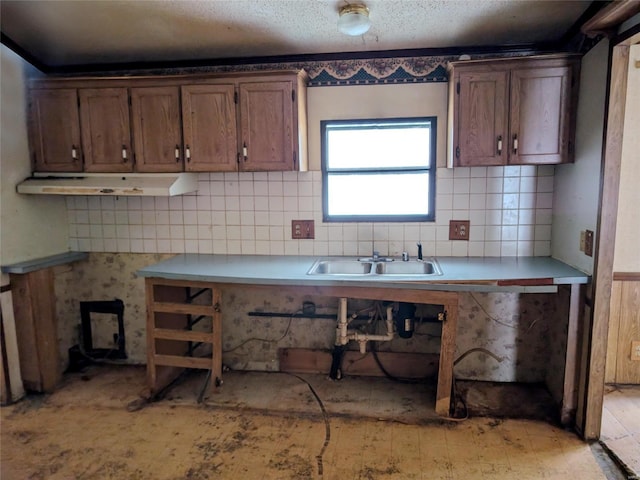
{"x": 378, "y": 170}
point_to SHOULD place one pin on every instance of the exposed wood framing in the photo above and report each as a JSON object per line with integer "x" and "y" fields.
{"x": 607, "y": 20}
{"x": 605, "y": 246}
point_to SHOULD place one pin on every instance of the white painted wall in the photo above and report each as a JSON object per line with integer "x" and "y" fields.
{"x": 627, "y": 251}
{"x": 30, "y": 226}
{"x": 577, "y": 185}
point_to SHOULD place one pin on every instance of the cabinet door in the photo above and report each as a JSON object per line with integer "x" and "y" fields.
{"x": 267, "y": 126}
{"x": 54, "y": 127}
{"x": 157, "y": 133}
{"x": 540, "y": 115}
{"x": 106, "y": 133}
{"x": 210, "y": 132}
{"x": 482, "y": 126}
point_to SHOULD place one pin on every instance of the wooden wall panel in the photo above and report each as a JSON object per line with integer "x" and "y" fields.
{"x": 624, "y": 328}
{"x": 614, "y": 329}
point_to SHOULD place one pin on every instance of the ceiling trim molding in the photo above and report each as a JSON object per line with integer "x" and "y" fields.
{"x": 80, "y": 69}
{"x": 18, "y": 50}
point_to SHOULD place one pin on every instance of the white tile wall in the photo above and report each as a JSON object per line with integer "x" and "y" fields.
{"x": 250, "y": 213}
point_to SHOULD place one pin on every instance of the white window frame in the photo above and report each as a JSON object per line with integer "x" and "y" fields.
{"x": 395, "y": 167}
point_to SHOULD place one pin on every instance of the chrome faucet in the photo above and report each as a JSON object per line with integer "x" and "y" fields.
{"x": 375, "y": 256}
{"x": 419, "y": 250}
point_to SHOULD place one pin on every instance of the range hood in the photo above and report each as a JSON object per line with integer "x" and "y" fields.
{"x": 120, "y": 184}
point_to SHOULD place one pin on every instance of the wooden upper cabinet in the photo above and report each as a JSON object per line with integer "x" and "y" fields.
{"x": 513, "y": 111}
{"x": 54, "y": 130}
{"x": 267, "y": 126}
{"x": 540, "y": 109}
{"x": 483, "y": 127}
{"x": 106, "y": 132}
{"x": 157, "y": 129}
{"x": 209, "y": 124}
{"x": 199, "y": 123}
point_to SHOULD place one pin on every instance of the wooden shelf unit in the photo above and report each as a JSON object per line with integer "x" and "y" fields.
{"x": 173, "y": 310}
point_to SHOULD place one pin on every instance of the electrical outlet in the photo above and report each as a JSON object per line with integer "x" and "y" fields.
{"x": 302, "y": 229}
{"x": 459, "y": 230}
{"x": 588, "y": 243}
{"x": 635, "y": 351}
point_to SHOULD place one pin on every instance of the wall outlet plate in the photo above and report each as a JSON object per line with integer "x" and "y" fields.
{"x": 588, "y": 243}
{"x": 302, "y": 229}
{"x": 459, "y": 230}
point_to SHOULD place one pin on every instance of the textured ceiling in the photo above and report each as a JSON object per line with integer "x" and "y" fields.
{"x": 61, "y": 33}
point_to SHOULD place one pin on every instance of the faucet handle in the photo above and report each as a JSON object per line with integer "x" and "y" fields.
{"x": 419, "y": 250}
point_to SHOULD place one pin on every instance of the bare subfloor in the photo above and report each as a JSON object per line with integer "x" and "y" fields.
{"x": 84, "y": 431}
{"x": 621, "y": 424}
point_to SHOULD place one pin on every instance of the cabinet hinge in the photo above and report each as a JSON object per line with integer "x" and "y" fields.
{"x": 458, "y": 152}
{"x": 295, "y": 160}
{"x": 293, "y": 95}
{"x": 238, "y": 158}
{"x": 458, "y": 88}
{"x": 235, "y": 97}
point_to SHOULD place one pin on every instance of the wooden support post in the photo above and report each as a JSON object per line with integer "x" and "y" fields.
{"x": 447, "y": 352}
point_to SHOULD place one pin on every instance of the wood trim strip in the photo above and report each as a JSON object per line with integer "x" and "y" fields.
{"x": 610, "y": 17}
{"x": 184, "y": 362}
{"x": 183, "y": 309}
{"x": 183, "y": 335}
{"x": 526, "y": 282}
{"x": 626, "y": 276}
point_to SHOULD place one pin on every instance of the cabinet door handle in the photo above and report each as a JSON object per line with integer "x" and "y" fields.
{"x": 177, "y": 153}
{"x": 187, "y": 153}
{"x": 74, "y": 153}
{"x": 124, "y": 154}
{"x": 244, "y": 151}
{"x": 515, "y": 143}
{"x": 499, "y": 145}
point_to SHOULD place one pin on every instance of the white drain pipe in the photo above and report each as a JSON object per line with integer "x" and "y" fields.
{"x": 344, "y": 335}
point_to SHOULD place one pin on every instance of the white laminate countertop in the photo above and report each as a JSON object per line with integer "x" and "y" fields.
{"x": 517, "y": 274}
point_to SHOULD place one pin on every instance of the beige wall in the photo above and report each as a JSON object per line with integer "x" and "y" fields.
{"x": 577, "y": 185}
{"x": 376, "y": 101}
{"x": 627, "y": 252}
{"x": 30, "y": 226}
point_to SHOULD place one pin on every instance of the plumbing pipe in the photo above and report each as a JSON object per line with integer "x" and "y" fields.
{"x": 344, "y": 335}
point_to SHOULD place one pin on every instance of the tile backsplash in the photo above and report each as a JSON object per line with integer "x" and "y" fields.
{"x": 509, "y": 209}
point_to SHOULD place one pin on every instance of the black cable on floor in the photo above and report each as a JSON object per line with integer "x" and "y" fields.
{"x": 327, "y": 425}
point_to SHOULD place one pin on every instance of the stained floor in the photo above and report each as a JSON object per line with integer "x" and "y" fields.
{"x": 84, "y": 431}
{"x": 621, "y": 424}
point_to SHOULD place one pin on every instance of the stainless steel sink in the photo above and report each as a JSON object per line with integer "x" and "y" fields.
{"x": 338, "y": 266}
{"x": 413, "y": 267}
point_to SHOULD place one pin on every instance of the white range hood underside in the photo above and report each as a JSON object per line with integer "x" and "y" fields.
{"x": 116, "y": 184}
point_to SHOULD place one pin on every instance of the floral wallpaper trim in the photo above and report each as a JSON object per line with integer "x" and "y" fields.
{"x": 370, "y": 71}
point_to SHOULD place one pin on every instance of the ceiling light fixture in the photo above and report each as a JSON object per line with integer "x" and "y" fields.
{"x": 354, "y": 20}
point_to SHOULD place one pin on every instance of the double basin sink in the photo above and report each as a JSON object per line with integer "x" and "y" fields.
{"x": 371, "y": 266}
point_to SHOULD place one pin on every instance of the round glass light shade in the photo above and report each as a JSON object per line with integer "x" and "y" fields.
{"x": 354, "y": 20}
